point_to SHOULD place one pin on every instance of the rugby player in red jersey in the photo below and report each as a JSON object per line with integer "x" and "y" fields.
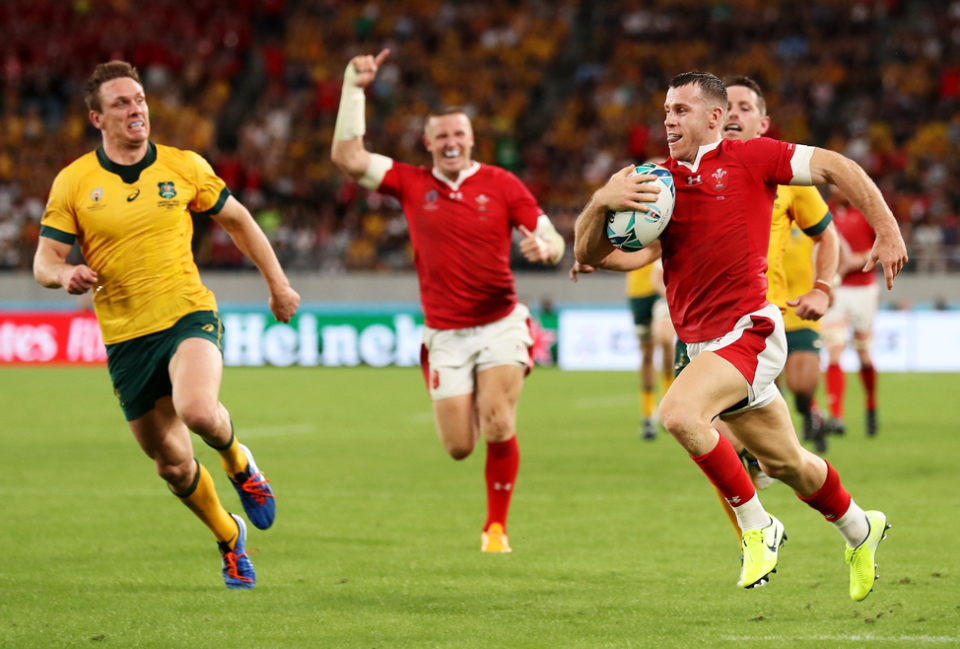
{"x": 714, "y": 259}
{"x": 854, "y": 306}
{"x": 461, "y": 216}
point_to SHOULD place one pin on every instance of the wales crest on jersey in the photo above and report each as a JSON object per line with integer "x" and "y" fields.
{"x": 167, "y": 190}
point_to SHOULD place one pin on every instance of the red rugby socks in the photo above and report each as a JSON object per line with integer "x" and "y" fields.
{"x": 836, "y": 385}
{"x": 503, "y": 461}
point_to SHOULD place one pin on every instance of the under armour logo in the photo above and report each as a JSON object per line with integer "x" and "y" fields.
{"x": 694, "y": 180}
{"x": 735, "y": 500}
{"x": 502, "y": 487}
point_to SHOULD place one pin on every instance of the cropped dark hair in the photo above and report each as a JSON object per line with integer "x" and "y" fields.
{"x": 747, "y": 82}
{"x": 710, "y": 86}
{"x": 103, "y": 73}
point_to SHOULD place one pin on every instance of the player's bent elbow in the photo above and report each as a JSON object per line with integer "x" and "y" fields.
{"x": 584, "y": 255}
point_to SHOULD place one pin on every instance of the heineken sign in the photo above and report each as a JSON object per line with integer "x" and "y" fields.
{"x": 310, "y": 339}
{"x": 348, "y": 339}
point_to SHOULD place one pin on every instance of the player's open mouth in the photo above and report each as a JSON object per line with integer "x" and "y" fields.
{"x": 732, "y": 127}
{"x": 451, "y": 153}
{"x": 136, "y": 125}
{"x": 673, "y": 138}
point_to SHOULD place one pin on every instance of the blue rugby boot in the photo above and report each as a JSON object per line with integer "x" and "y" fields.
{"x": 255, "y": 493}
{"x": 238, "y": 571}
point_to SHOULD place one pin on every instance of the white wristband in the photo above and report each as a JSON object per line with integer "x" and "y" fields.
{"x": 351, "y": 118}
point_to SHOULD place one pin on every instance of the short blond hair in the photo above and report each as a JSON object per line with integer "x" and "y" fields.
{"x": 103, "y": 73}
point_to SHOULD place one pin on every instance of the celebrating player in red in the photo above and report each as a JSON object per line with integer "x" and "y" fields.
{"x": 461, "y": 216}
{"x": 714, "y": 260}
{"x": 854, "y": 306}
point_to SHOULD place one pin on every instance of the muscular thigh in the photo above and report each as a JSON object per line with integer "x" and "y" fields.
{"x": 498, "y": 393}
{"x": 802, "y": 372}
{"x": 196, "y": 370}
{"x": 161, "y": 434}
{"x": 707, "y": 386}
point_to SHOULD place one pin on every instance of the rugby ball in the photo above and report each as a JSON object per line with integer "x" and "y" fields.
{"x": 633, "y": 230}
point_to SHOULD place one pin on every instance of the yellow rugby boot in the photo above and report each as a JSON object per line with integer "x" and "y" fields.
{"x": 862, "y": 559}
{"x": 761, "y": 551}
{"x": 495, "y": 539}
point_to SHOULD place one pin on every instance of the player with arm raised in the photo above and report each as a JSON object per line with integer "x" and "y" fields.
{"x": 128, "y": 204}
{"x": 461, "y": 216}
{"x": 714, "y": 258}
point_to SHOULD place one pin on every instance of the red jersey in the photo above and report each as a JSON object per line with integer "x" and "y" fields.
{"x": 853, "y": 227}
{"x": 462, "y": 234}
{"x": 715, "y": 247}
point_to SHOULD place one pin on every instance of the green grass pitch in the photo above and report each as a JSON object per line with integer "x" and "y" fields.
{"x": 617, "y": 543}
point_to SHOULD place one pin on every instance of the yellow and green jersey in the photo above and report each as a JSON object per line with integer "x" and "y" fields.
{"x": 639, "y": 283}
{"x": 134, "y": 227}
{"x": 806, "y": 208}
{"x": 798, "y": 263}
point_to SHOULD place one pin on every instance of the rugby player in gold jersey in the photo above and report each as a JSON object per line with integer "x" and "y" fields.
{"x": 128, "y": 205}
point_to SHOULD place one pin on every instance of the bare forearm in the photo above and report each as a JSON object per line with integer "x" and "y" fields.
{"x": 48, "y": 266}
{"x": 863, "y": 193}
{"x": 827, "y": 256}
{"x": 252, "y": 242}
{"x": 591, "y": 245}
{"x": 624, "y": 262}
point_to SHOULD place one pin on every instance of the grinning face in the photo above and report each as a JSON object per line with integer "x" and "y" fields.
{"x": 449, "y": 139}
{"x": 691, "y": 121}
{"x": 745, "y": 120}
{"x": 124, "y": 118}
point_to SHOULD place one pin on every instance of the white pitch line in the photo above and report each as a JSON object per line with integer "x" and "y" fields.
{"x": 272, "y": 431}
{"x": 611, "y": 401}
{"x": 922, "y": 639}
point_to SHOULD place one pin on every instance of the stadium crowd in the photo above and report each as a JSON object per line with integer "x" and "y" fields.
{"x": 562, "y": 93}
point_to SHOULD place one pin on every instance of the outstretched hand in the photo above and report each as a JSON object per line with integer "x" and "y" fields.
{"x": 811, "y": 305}
{"x": 534, "y": 249}
{"x": 890, "y": 250}
{"x": 580, "y": 268}
{"x": 365, "y": 67}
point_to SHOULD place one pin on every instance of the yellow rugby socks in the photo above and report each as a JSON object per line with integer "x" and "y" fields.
{"x": 232, "y": 458}
{"x": 669, "y": 374}
{"x": 202, "y": 500}
{"x": 647, "y": 403}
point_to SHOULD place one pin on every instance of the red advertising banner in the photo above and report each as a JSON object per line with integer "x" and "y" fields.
{"x": 50, "y": 337}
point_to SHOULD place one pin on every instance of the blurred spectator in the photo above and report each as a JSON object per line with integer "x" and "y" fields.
{"x": 563, "y": 93}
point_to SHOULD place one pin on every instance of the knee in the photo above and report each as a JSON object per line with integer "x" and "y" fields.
{"x": 677, "y": 420}
{"x": 177, "y": 473}
{"x": 497, "y": 426}
{"x": 200, "y": 417}
{"x": 458, "y": 450}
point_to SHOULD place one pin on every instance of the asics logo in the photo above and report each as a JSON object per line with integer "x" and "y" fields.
{"x": 132, "y": 197}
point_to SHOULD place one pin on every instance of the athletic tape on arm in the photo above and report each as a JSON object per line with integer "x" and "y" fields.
{"x": 800, "y": 164}
{"x": 351, "y": 118}
{"x": 547, "y": 232}
{"x": 376, "y": 170}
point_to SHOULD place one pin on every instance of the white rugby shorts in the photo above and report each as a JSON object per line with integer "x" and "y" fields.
{"x": 757, "y": 347}
{"x": 853, "y": 306}
{"x": 451, "y": 358}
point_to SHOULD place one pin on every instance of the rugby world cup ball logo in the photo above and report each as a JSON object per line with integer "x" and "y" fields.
{"x": 96, "y": 194}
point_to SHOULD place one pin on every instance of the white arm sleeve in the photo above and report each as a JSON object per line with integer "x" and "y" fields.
{"x": 352, "y": 117}
{"x": 800, "y": 164}
{"x": 547, "y": 232}
{"x": 376, "y": 170}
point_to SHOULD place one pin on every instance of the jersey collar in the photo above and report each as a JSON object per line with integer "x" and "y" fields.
{"x": 464, "y": 174}
{"x": 128, "y": 173}
{"x": 705, "y": 149}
